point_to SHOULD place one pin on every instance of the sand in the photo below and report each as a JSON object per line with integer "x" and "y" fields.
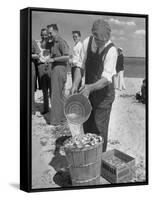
{"x": 126, "y": 133}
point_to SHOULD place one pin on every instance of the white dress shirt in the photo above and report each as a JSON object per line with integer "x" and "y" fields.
{"x": 76, "y": 59}
{"x": 109, "y": 61}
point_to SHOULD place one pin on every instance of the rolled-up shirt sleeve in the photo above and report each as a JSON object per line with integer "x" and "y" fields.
{"x": 83, "y": 53}
{"x": 110, "y": 64}
{"x": 64, "y": 47}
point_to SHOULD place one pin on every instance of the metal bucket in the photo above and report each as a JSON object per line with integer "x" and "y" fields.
{"x": 77, "y": 109}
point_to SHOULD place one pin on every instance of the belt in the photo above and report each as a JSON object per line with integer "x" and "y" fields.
{"x": 59, "y": 63}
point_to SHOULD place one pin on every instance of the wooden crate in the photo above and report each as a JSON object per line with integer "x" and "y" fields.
{"x": 117, "y": 173}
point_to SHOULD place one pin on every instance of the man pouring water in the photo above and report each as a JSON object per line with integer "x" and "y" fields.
{"x": 99, "y": 57}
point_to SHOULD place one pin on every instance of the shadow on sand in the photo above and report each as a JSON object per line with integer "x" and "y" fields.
{"x": 15, "y": 185}
{"x": 59, "y": 163}
{"x": 62, "y": 178}
{"x": 47, "y": 117}
{"x": 39, "y": 108}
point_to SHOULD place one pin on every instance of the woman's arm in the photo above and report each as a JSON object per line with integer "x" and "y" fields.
{"x": 35, "y": 56}
{"x": 64, "y": 58}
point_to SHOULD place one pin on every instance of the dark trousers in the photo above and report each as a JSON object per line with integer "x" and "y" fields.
{"x": 33, "y": 87}
{"x": 45, "y": 80}
{"x": 37, "y": 78}
{"x": 72, "y": 74}
{"x": 98, "y": 122}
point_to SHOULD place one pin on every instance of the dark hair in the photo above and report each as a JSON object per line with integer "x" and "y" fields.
{"x": 120, "y": 49}
{"x": 43, "y": 29}
{"x": 77, "y": 32}
{"x": 54, "y": 26}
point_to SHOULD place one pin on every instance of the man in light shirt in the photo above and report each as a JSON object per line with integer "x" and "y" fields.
{"x": 76, "y": 61}
{"x": 98, "y": 59}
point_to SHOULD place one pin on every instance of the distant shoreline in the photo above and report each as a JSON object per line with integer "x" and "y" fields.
{"x": 134, "y": 57}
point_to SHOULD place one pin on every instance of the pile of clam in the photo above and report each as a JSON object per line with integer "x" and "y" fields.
{"x": 115, "y": 161}
{"x": 83, "y": 141}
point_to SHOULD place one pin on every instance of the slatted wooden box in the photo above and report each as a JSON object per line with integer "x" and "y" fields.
{"x": 120, "y": 172}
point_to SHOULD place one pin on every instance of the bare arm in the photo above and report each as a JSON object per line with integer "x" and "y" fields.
{"x": 88, "y": 88}
{"x": 35, "y": 56}
{"x": 58, "y": 59}
{"x": 99, "y": 84}
{"x": 62, "y": 58}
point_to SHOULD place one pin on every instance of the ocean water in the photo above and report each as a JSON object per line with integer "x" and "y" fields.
{"x": 135, "y": 67}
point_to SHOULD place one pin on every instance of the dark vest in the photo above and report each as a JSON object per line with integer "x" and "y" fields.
{"x": 94, "y": 68}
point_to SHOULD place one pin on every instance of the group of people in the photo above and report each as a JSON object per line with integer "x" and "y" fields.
{"x": 51, "y": 61}
{"x": 95, "y": 59}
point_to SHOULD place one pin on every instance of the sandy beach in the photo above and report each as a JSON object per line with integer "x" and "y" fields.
{"x": 126, "y": 133}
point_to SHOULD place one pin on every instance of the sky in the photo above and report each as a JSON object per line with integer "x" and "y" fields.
{"x": 127, "y": 32}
